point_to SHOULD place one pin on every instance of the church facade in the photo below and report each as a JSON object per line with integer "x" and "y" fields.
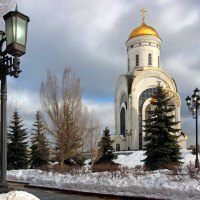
{"x": 135, "y": 88}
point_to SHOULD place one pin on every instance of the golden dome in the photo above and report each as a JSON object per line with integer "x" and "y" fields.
{"x": 143, "y": 29}
{"x": 184, "y": 135}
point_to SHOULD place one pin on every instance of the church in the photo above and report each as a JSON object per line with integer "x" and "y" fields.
{"x": 135, "y": 88}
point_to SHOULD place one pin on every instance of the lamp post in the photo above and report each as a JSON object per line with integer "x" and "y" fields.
{"x": 193, "y": 107}
{"x": 15, "y": 37}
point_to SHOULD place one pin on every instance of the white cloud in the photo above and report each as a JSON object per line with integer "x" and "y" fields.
{"x": 183, "y": 18}
{"x": 26, "y": 103}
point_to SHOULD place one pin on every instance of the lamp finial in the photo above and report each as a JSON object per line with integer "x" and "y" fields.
{"x": 16, "y": 8}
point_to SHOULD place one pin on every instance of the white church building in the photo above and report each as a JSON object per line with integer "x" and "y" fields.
{"x": 135, "y": 88}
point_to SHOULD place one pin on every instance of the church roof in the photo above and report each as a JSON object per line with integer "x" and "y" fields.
{"x": 142, "y": 30}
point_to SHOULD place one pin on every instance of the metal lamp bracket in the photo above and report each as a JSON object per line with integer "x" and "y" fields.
{"x": 9, "y": 65}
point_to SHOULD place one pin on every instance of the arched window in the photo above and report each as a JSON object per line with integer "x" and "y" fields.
{"x": 143, "y": 97}
{"x": 117, "y": 147}
{"x": 137, "y": 60}
{"x": 122, "y": 122}
{"x": 158, "y": 61}
{"x": 124, "y": 99}
{"x": 149, "y": 59}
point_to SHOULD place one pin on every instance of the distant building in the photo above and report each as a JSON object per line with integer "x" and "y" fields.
{"x": 135, "y": 88}
{"x": 192, "y": 147}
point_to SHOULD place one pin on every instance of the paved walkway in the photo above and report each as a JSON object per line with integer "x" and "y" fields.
{"x": 51, "y": 195}
{"x": 44, "y": 194}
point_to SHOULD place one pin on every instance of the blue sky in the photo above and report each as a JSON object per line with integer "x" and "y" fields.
{"x": 90, "y": 36}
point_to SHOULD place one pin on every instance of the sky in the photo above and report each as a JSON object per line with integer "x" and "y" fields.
{"x": 89, "y": 36}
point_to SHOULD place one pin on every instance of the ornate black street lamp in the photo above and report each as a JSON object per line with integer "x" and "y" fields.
{"x": 193, "y": 107}
{"x": 16, "y": 25}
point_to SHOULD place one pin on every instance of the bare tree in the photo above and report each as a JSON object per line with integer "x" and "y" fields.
{"x": 61, "y": 101}
{"x": 95, "y": 137}
{"x": 90, "y": 133}
{"x": 83, "y": 127}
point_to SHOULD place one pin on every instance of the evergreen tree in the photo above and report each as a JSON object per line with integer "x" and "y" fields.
{"x": 39, "y": 148}
{"x": 162, "y": 149}
{"x": 106, "y": 149}
{"x": 17, "y": 144}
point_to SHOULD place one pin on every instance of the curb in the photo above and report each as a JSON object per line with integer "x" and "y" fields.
{"x": 68, "y": 191}
{"x": 18, "y": 182}
{"x": 90, "y": 193}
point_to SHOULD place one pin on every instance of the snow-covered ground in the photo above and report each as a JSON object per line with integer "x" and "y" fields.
{"x": 157, "y": 184}
{"x": 18, "y": 195}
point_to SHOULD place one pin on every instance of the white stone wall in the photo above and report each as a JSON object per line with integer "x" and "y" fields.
{"x": 121, "y": 88}
{"x": 118, "y": 139}
{"x": 144, "y": 80}
{"x": 143, "y": 46}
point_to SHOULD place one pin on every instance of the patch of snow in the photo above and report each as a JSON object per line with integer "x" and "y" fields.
{"x": 156, "y": 184}
{"x": 18, "y": 195}
{"x": 131, "y": 160}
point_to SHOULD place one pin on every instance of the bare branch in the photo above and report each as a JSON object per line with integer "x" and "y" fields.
{"x": 61, "y": 101}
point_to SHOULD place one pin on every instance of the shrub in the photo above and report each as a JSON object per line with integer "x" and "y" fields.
{"x": 107, "y": 166}
{"x": 46, "y": 167}
{"x": 192, "y": 171}
{"x": 175, "y": 173}
{"x": 194, "y": 150}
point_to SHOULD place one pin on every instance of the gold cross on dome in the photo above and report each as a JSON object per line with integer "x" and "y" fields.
{"x": 143, "y": 14}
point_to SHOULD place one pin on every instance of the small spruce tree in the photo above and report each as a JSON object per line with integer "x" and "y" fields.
{"x": 39, "y": 148}
{"x": 17, "y": 144}
{"x": 106, "y": 149}
{"x": 162, "y": 149}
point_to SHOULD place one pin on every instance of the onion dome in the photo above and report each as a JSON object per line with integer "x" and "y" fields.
{"x": 143, "y": 29}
